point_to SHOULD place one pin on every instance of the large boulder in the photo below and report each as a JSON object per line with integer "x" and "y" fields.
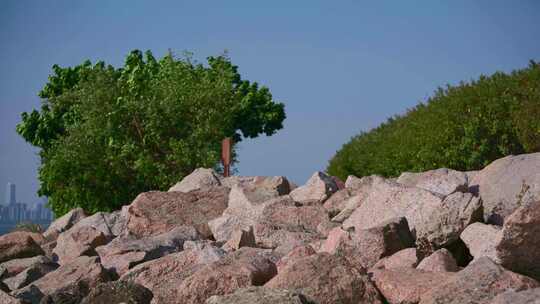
{"x": 110, "y": 224}
{"x": 406, "y": 285}
{"x": 13, "y": 267}
{"x": 518, "y": 248}
{"x": 317, "y": 189}
{"x": 16, "y": 245}
{"x": 367, "y": 246}
{"x": 284, "y": 224}
{"x": 337, "y": 202}
{"x": 294, "y": 255}
{"x": 63, "y": 223}
{"x": 481, "y": 240}
{"x": 29, "y": 275}
{"x": 242, "y": 268}
{"x": 245, "y": 205}
{"x": 5, "y": 298}
{"x": 388, "y": 200}
{"x": 531, "y": 296}
{"x": 406, "y": 258}
{"x": 126, "y": 251}
{"x": 478, "y": 283}
{"x": 439, "y": 261}
{"x": 327, "y": 279}
{"x": 82, "y": 273}
{"x": 118, "y": 292}
{"x": 337, "y": 238}
{"x": 200, "y": 178}
{"x": 157, "y": 212}
{"x": 342, "y": 204}
{"x": 356, "y": 185}
{"x": 278, "y": 185}
{"x": 444, "y": 224}
{"x": 163, "y": 276}
{"x": 78, "y": 241}
{"x": 506, "y": 184}
{"x": 260, "y": 295}
{"x": 71, "y": 294}
{"x": 443, "y": 181}
{"x": 241, "y": 238}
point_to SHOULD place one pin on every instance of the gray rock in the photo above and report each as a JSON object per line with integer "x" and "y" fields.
{"x": 506, "y": 184}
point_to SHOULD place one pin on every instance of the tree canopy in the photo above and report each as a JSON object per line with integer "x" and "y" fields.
{"x": 107, "y": 134}
{"x": 462, "y": 127}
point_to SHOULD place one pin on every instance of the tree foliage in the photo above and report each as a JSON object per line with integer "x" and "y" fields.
{"x": 463, "y": 127}
{"x": 107, "y": 134}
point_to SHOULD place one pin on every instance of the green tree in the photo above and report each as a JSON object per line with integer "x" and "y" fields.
{"x": 462, "y": 127}
{"x": 107, "y": 134}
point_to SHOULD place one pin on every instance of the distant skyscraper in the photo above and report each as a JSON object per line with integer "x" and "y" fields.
{"x": 10, "y": 194}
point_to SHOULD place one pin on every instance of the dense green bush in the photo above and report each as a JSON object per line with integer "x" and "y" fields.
{"x": 106, "y": 134}
{"x": 462, "y": 127}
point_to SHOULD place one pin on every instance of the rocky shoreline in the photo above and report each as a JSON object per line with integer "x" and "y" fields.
{"x": 440, "y": 236}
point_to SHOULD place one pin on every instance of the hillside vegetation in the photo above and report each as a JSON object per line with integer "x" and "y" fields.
{"x": 462, "y": 127}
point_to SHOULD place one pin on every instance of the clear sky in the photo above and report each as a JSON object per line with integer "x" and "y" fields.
{"x": 339, "y": 66}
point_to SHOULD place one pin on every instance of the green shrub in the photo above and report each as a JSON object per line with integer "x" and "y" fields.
{"x": 107, "y": 134}
{"x": 462, "y": 127}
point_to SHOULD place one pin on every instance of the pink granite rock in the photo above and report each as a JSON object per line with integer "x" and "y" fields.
{"x": 156, "y": 212}
{"x": 242, "y": 268}
{"x": 78, "y": 241}
{"x": 407, "y": 285}
{"x": 478, "y": 283}
{"x": 16, "y": 245}
{"x": 327, "y": 279}
{"x": 405, "y": 258}
{"x": 439, "y": 261}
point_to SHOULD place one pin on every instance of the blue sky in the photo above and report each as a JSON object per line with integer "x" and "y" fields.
{"x": 340, "y": 67}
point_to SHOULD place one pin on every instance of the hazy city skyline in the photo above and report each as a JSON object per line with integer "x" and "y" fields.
{"x": 339, "y": 68}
